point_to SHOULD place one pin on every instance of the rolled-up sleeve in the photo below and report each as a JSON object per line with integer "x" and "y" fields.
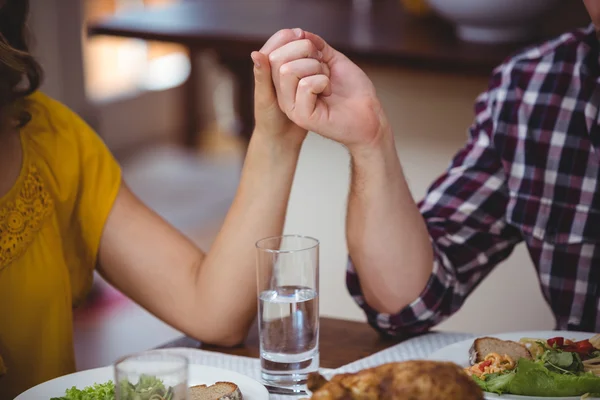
{"x": 465, "y": 213}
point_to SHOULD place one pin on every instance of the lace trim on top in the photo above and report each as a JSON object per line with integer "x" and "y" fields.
{"x": 22, "y": 216}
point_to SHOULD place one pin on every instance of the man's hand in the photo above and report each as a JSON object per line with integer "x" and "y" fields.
{"x": 321, "y": 90}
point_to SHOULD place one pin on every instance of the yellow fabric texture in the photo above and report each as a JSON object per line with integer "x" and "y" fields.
{"x": 51, "y": 222}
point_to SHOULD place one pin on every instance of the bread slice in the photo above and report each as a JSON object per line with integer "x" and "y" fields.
{"x": 218, "y": 391}
{"x": 486, "y": 345}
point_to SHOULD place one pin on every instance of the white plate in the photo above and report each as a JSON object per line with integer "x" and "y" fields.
{"x": 199, "y": 374}
{"x": 459, "y": 353}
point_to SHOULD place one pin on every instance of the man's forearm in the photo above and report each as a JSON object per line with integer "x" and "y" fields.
{"x": 387, "y": 236}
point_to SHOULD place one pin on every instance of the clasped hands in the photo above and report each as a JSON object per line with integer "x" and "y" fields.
{"x": 303, "y": 84}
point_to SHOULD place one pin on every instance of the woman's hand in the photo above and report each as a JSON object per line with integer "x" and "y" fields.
{"x": 271, "y": 121}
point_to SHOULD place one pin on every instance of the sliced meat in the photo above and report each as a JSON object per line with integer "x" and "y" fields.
{"x": 486, "y": 345}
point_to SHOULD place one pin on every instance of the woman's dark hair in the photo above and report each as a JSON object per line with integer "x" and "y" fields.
{"x": 20, "y": 73}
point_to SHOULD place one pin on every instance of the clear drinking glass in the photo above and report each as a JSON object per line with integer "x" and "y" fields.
{"x": 288, "y": 308}
{"x": 153, "y": 375}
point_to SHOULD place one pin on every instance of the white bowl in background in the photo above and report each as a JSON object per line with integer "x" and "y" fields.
{"x": 493, "y": 21}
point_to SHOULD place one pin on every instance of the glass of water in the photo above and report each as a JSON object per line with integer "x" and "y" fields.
{"x": 288, "y": 308}
{"x": 152, "y": 375}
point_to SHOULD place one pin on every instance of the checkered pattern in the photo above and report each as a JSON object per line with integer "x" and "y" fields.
{"x": 529, "y": 172}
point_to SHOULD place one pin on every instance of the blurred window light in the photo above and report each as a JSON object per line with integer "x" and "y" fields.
{"x": 120, "y": 67}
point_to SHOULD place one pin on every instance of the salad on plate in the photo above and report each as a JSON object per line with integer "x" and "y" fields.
{"x": 152, "y": 388}
{"x": 147, "y": 388}
{"x": 555, "y": 367}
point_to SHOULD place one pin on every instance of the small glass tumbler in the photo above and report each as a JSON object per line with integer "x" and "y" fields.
{"x": 153, "y": 375}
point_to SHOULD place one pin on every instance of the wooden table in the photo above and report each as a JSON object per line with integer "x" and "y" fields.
{"x": 341, "y": 342}
{"x": 383, "y": 33}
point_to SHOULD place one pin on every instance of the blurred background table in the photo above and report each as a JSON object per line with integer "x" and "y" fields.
{"x": 374, "y": 31}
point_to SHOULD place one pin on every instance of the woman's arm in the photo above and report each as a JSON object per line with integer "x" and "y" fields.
{"x": 211, "y": 297}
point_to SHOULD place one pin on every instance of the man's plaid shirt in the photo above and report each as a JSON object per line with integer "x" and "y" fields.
{"x": 529, "y": 172}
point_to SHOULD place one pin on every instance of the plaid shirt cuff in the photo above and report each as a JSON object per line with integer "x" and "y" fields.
{"x": 431, "y": 307}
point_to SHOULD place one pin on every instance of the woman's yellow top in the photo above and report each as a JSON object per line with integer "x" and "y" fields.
{"x": 51, "y": 222}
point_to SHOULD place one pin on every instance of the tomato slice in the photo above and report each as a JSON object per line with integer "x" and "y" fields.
{"x": 557, "y": 342}
{"x": 484, "y": 364}
{"x": 584, "y": 347}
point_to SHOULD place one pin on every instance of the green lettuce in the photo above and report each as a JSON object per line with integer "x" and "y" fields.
{"x": 99, "y": 391}
{"x": 534, "y": 379}
{"x": 147, "y": 388}
{"x": 562, "y": 361}
{"x": 495, "y": 383}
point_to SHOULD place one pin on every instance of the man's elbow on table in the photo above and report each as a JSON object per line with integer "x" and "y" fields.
{"x": 392, "y": 299}
{"x": 405, "y": 317}
{"x": 405, "y": 304}
{"x": 392, "y": 280}
{"x": 385, "y": 305}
